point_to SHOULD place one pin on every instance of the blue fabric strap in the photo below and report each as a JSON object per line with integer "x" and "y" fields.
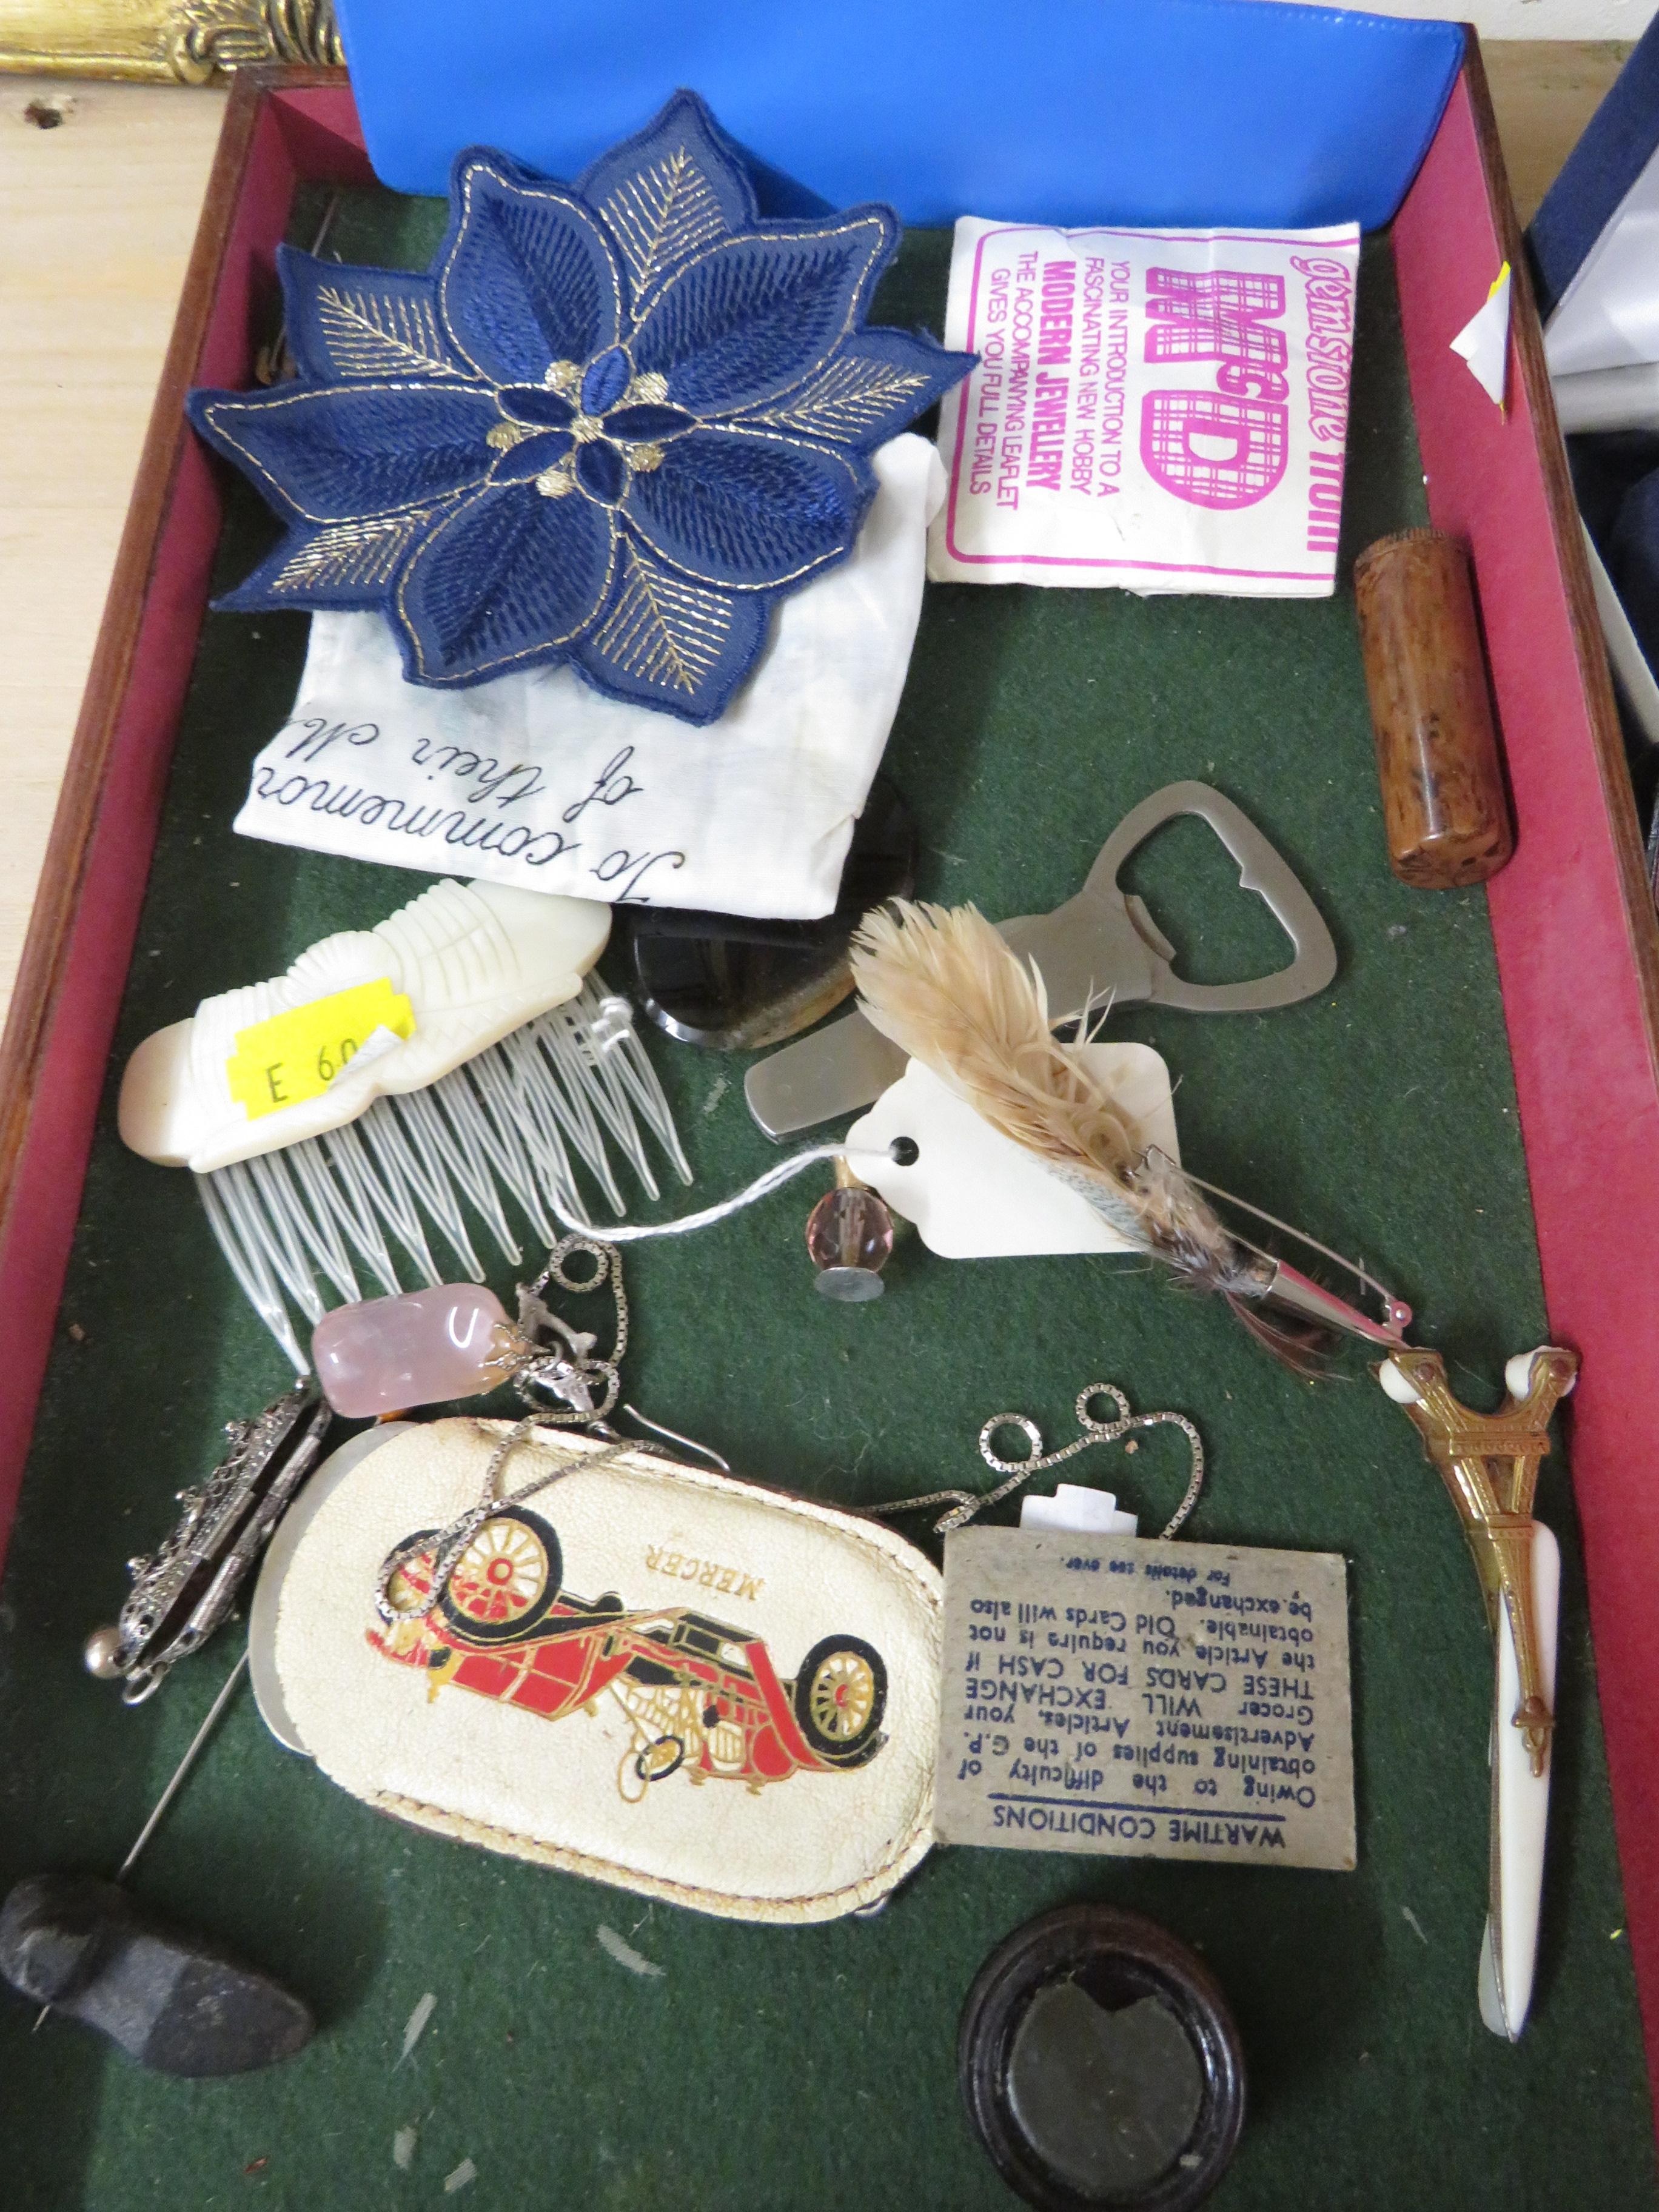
{"x": 1154, "y": 112}
{"x": 1620, "y": 141}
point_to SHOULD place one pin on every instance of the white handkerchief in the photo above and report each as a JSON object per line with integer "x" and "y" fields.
{"x": 1164, "y": 410}
{"x": 535, "y": 780}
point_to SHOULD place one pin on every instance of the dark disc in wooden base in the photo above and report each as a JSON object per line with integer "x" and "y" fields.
{"x": 1100, "y": 2065}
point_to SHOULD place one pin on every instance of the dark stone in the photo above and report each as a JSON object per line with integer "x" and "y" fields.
{"x": 1109, "y": 2099}
{"x": 175, "y": 2002}
{"x": 731, "y": 984}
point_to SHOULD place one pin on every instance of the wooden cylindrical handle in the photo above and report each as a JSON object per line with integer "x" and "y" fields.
{"x": 1443, "y": 806}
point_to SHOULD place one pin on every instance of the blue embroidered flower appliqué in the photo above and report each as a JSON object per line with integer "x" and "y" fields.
{"x": 610, "y": 426}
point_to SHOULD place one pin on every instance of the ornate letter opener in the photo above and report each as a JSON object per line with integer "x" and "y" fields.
{"x": 1489, "y": 1463}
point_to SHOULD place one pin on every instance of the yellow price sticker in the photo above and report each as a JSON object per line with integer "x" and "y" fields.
{"x": 297, "y": 1055}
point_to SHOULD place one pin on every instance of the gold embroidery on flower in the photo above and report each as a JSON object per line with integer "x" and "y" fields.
{"x": 849, "y": 397}
{"x": 662, "y": 628}
{"x": 663, "y": 214}
{"x": 380, "y": 334}
{"x": 359, "y": 555}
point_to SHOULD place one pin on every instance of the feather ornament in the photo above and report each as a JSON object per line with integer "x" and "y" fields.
{"x": 941, "y": 984}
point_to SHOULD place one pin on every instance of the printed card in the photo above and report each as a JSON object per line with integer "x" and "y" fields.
{"x": 1164, "y": 410}
{"x": 1145, "y": 1699}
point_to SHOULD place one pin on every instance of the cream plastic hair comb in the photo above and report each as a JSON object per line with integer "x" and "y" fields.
{"x": 453, "y": 1054}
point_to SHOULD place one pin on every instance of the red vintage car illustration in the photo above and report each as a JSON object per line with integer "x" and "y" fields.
{"x": 699, "y": 1694}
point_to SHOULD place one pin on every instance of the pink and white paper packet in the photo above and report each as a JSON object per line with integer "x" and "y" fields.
{"x": 1162, "y": 410}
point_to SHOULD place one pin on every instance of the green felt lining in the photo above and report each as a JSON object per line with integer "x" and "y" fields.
{"x": 817, "y": 2068}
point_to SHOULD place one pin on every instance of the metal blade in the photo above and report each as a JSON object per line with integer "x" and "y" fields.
{"x": 836, "y": 1070}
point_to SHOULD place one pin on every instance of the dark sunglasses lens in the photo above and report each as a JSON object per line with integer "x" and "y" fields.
{"x": 735, "y": 985}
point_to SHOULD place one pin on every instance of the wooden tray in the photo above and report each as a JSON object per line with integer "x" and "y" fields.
{"x": 1576, "y": 938}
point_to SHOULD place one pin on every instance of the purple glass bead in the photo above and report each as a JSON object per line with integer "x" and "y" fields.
{"x": 388, "y": 1354}
{"x": 849, "y": 1234}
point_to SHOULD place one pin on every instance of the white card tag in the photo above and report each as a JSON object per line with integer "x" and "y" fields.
{"x": 1145, "y": 1698}
{"x": 974, "y": 1194}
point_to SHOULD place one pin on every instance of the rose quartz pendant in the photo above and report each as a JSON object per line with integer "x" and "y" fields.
{"x": 388, "y": 1354}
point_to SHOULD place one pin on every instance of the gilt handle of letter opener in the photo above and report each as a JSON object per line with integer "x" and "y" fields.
{"x": 1489, "y": 1463}
{"x": 1101, "y": 946}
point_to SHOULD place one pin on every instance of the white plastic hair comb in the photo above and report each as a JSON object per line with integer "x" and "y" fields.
{"x": 453, "y": 1056}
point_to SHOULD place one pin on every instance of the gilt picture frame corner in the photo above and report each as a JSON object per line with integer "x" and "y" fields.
{"x": 186, "y": 42}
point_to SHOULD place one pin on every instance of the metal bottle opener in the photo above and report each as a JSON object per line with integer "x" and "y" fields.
{"x": 1101, "y": 945}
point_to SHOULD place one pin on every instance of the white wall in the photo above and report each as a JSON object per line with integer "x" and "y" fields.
{"x": 1534, "y": 19}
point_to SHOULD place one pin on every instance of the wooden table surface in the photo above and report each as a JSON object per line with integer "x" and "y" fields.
{"x": 100, "y": 189}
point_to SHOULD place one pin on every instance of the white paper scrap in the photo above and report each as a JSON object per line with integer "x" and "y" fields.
{"x": 1161, "y": 410}
{"x": 1608, "y": 315}
{"x": 1484, "y": 340}
{"x": 416, "y": 2027}
{"x": 624, "y": 1953}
